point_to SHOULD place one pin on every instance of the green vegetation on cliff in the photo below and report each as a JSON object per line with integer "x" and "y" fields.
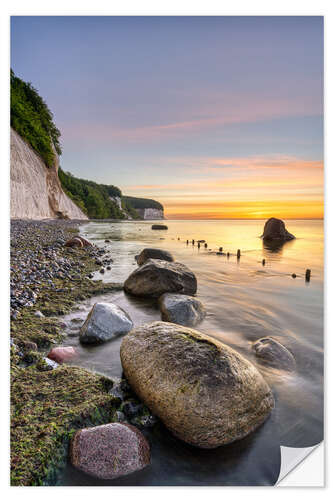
{"x": 32, "y": 119}
{"x": 92, "y": 198}
{"x": 138, "y": 203}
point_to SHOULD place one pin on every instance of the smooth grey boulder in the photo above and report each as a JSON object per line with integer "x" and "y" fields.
{"x": 156, "y": 277}
{"x": 274, "y": 354}
{"x": 206, "y": 393}
{"x": 153, "y": 253}
{"x": 181, "y": 309}
{"x": 104, "y": 322}
{"x": 109, "y": 451}
{"x": 275, "y": 229}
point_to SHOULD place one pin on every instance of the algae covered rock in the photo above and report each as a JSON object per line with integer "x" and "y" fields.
{"x": 181, "y": 309}
{"x": 274, "y": 354}
{"x": 275, "y": 229}
{"x": 110, "y": 451}
{"x": 206, "y": 393}
{"x": 156, "y": 277}
{"x": 104, "y": 322}
{"x": 153, "y": 253}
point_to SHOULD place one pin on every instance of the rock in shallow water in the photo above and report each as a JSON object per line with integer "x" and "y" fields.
{"x": 275, "y": 229}
{"x": 156, "y": 277}
{"x": 181, "y": 309}
{"x": 104, "y": 322}
{"x": 153, "y": 253}
{"x": 110, "y": 451}
{"x": 205, "y": 392}
{"x": 272, "y": 353}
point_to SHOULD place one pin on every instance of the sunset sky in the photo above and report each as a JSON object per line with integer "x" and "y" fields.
{"x": 215, "y": 117}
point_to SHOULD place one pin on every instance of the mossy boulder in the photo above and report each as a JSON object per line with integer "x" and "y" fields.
{"x": 272, "y": 353}
{"x": 153, "y": 253}
{"x": 206, "y": 393}
{"x": 156, "y": 277}
{"x": 181, "y": 309}
{"x": 275, "y": 229}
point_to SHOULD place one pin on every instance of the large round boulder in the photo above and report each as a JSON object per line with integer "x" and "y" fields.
{"x": 153, "y": 253}
{"x": 275, "y": 229}
{"x": 104, "y": 322}
{"x": 181, "y": 309}
{"x": 206, "y": 393}
{"x": 109, "y": 451}
{"x": 156, "y": 277}
{"x": 272, "y": 353}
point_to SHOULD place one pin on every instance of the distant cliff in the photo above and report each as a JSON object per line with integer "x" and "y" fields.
{"x": 145, "y": 208}
{"x": 35, "y": 190}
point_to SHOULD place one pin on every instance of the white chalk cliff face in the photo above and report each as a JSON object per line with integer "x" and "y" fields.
{"x": 35, "y": 190}
{"x": 150, "y": 213}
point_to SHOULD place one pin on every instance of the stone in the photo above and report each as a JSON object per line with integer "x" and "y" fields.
{"x": 159, "y": 226}
{"x": 153, "y": 253}
{"x": 104, "y": 322}
{"x": 74, "y": 242}
{"x": 275, "y": 229}
{"x": 39, "y": 314}
{"x": 271, "y": 352}
{"x": 62, "y": 354}
{"x": 156, "y": 277}
{"x": 109, "y": 451}
{"x": 205, "y": 392}
{"x": 181, "y": 309}
{"x": 85, "y": 242}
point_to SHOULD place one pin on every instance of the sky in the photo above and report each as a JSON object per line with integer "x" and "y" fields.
{"x": 215, "y": 117}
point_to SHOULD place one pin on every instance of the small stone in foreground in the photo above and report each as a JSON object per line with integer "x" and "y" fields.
{"x": 110, "y": 451}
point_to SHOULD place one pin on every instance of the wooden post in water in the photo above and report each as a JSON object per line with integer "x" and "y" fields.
{"x": 307, "y": 275}
{"x": 238, "y": 254}
{"x": 228, "y": 255}
{"x": 198, "y": 244}
{"x": 221, "y": 249}
{"x": 186, "y": 242}
{"x": 192, "y": 242}
{"x": 263, "y": 262}
{"x": 206, "y": 245}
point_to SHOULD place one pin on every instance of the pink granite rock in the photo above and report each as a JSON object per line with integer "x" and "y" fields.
{"x": 61, "y": 354}
{"x": 109, "y": 451}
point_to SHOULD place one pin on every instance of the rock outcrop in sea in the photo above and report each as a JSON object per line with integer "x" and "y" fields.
{"x": 206, "y": 393}
{"x": 275, "y": 229}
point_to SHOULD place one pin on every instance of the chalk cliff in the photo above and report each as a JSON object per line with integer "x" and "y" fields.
{"x": 35, "y": 190}
{"x": 150, "y": 213}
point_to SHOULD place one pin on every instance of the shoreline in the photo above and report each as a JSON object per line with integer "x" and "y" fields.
{"x": 48, "y": 405}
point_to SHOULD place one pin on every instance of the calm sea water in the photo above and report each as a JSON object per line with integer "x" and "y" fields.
{"x": 245, "y": 301}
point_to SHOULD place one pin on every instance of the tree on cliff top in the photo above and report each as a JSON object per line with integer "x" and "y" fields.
{"x": 32, "y": 119}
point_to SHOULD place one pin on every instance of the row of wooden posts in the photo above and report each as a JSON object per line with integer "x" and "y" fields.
{"x": 307, "y": 272}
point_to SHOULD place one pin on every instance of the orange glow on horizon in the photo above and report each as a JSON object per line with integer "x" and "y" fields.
{"x": 241, "y": 188}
